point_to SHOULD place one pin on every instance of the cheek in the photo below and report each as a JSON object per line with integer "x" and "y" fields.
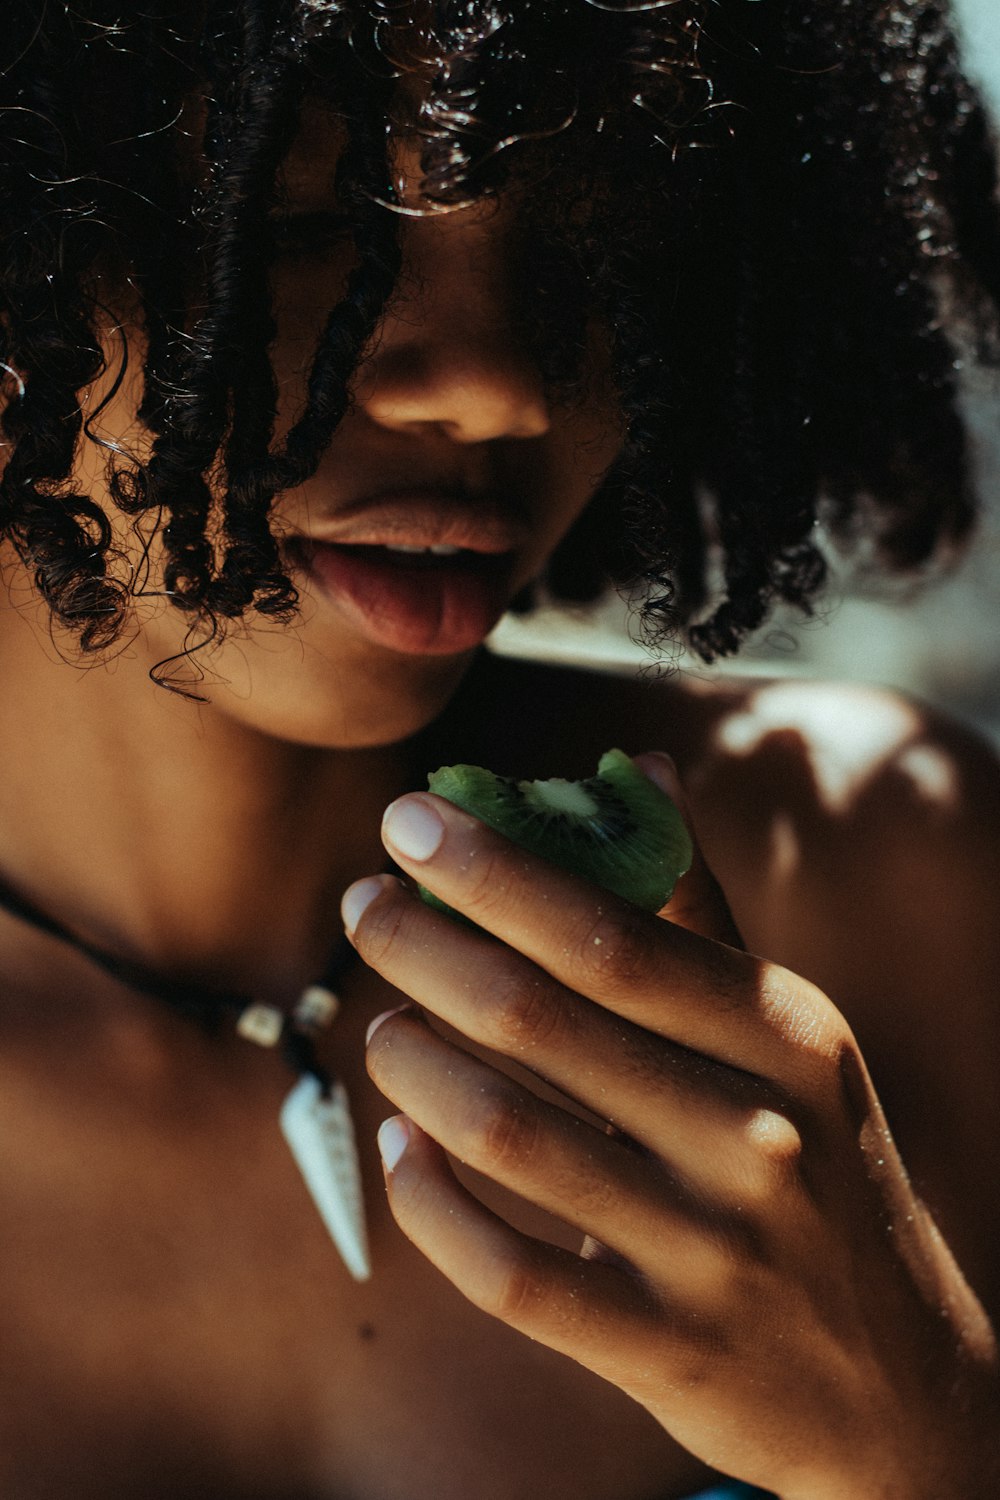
{"x": 305, "y": 288}
{"x": 589, "y": 434}
{"x": 585, "y": 442}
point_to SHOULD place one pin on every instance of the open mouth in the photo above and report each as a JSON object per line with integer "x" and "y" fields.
{"x": 435, "y": 600}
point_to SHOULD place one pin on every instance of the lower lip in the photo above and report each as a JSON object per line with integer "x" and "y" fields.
{"x": 425, "y": 609}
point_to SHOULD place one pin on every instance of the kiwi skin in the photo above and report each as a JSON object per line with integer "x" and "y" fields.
{"x": 616, "y": 828}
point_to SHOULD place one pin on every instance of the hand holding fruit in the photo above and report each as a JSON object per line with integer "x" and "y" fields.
{"x": 617, "y": 828}
{"x": 775, "y": 1294}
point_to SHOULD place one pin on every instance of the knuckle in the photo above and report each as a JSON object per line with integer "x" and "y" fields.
{"x": 485, "y": 884}
{"x": 594, "y": 1196}
{"x": 803, "y": 1016}
{"x": 611, "y": 950}
{"x": 775, "y": 1139}
{"x": 504, "y": 1133}
{"x": 525, "y": 1013}
{"x": 775, "y": 1151}
{"x": 513, "y": 1293}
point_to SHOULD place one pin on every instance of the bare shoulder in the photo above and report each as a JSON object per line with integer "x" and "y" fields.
{"x": 820, "y": 805}
{"x": 836, "y": 809}
{"x": 843, "y": 820}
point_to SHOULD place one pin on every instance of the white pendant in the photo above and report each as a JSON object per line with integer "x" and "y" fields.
{"x": 320, "y": 1134}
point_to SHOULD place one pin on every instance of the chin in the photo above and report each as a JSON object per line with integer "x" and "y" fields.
{"x": 353, "y": 702}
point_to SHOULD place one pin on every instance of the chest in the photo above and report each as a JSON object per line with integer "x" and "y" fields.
{"x": 175, "y": 1321}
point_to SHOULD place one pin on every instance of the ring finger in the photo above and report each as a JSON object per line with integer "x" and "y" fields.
{"x": 694, "y": 1113}
{"x": 594, "y": 1182}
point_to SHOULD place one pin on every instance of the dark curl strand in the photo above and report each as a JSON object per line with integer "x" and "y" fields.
{"x": 768, "y": 205}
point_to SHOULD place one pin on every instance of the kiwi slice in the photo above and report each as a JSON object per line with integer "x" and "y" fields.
{"x": 616, "y": 828}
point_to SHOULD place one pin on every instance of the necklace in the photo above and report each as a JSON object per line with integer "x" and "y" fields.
{"x": 315, "y": 1117}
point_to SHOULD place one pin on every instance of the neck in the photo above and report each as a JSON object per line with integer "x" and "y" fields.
{"x": 169, "y": 834}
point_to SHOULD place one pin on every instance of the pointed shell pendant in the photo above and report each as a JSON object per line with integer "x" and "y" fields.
{"x": 320, "y": 1135}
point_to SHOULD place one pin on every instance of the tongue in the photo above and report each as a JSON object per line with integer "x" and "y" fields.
{"x": 417, "y": 604}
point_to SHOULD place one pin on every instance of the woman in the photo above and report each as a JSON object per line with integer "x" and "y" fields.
{"x": 294, "y": 292}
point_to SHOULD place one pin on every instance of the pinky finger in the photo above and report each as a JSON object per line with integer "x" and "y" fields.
{"x": 598, "y": 1313}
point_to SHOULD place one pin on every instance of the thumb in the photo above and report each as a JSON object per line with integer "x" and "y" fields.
{"x": 698, "y": 902}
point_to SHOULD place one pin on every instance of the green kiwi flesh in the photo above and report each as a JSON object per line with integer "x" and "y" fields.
{"x": 616, "y": 829}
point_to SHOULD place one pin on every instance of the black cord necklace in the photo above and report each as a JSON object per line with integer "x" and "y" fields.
{"x": 315, "y": 1118}
{"x": 208, "y": 1006}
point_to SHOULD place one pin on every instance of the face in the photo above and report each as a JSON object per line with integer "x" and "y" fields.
{"x": 444, "y": 491}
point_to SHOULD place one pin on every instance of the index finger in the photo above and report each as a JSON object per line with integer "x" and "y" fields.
{"x": 702, "y": 994}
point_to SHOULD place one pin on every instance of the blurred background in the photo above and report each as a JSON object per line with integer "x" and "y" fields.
{"x": 940, "y": 641}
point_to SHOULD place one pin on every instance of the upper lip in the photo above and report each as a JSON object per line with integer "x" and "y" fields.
{"x": 424, "y": 517}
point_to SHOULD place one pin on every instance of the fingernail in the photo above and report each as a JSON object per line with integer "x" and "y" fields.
{"x": 413, "y": 827}
{"x": 357, "y": 898}
{"x": 383, "y": 1016}
{"x": 393, "y": 1139}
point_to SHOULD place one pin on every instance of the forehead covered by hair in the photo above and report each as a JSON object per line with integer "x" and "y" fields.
{"x": 757, "y": 197}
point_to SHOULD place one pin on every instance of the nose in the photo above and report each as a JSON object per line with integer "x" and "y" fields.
{"x": 447, "y": 360}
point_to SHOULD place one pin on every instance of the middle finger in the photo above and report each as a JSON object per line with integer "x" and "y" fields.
{"x": 708, "y": 997}
{"x": 700, "y": 1117}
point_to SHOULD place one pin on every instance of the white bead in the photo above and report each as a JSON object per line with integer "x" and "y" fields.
{"x": 261, "y": 1024}
{"x": 320, "y": 1136}
{"x": 316, "y": 1008}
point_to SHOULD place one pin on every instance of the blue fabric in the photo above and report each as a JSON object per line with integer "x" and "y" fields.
{"x": 732, "y": 1490}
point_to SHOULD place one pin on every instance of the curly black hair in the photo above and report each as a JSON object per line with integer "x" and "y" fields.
{"x": 768, "y": 203}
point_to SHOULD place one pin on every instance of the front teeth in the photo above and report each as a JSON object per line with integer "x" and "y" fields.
{"x": 439, "y": 549}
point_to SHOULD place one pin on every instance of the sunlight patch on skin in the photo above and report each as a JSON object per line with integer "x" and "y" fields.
{"x": 772, "y": 1134}
{"x": 933, "y": 775}
{"x": 849, "y": 734}
{"x": 800, "y": 1013}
